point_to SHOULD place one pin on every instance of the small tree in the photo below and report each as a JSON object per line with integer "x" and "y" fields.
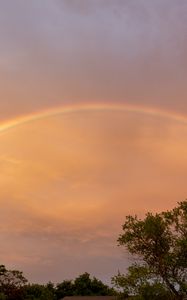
{"x": 159, "y": 241}
{"x": 11, "y": 284}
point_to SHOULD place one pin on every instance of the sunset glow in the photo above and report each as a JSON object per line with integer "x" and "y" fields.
{"x": 93, "y": 127}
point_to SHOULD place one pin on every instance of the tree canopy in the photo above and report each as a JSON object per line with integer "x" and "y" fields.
{"x": 83, "y": 285}
{"x": 14, "y": 286}
{"x": 159, "y": 243}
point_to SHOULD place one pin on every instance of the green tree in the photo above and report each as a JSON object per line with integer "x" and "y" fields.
{"x": 140, "y": 284}
{"x": 159, "y": 241}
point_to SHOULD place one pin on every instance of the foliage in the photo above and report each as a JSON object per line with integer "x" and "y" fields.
{"x": 83, "y": 285}
{"x": 14, "y": 286}
{"x": 64, "y": 289}
{"x": 141, "y": 284}
{"x": 11, "y": 284}
{"x": 40, "y": 292}
{"x": 2, "y": 296}
{"x": 160, "y": 242}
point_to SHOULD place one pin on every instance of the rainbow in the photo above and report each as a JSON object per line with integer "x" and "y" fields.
{"x": 51, "y": 112}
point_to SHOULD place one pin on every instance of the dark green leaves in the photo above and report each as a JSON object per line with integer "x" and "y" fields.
{"x": 160, "y": 241}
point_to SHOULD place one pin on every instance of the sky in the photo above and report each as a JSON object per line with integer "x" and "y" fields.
{"x": 93, "y": 126}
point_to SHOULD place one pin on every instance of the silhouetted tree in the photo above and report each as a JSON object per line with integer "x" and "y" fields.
{"x": 40, "y": 292}
{"x": 11, "y": 284}
{"x": 83, "y": 285}
{"x": 65, "y": 288}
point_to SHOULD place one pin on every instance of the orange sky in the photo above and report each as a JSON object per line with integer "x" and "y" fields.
{"x": 115, "y": 71}
{"x": 68, "y": 181}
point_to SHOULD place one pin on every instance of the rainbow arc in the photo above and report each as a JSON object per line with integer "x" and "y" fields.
{"x": 51, "y": 112}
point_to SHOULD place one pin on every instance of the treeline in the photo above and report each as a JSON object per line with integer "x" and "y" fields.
{"x": 14, "y": 286}
{"x": 159, "y": 244}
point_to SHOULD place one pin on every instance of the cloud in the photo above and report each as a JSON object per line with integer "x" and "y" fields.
{"x": 69, "y": 51}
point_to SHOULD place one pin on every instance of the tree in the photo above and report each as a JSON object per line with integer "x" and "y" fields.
{"x": 140, "y": 283}
{"x": 39, "y": 292}
{"x": 65, "y": 288}
{"x": 159, "y": 242}
{"x": 11, "y": 284}
{"x": 83, "y": 285}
